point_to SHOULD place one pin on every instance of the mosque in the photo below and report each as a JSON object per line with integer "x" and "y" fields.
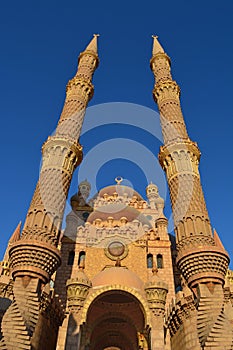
{"x": 114, "y": 278}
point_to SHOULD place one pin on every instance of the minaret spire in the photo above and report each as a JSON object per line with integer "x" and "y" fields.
{"x": 16, "y": 234}
{"x": 179, "y": 158}
{"x": 157, "y": 48}
{"x": 92, "y": 46}
{"x": 201, "y": 258}
{"x": 35, "y": 255}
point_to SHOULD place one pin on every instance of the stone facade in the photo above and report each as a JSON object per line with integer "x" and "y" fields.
{"x": 115, "y": 279}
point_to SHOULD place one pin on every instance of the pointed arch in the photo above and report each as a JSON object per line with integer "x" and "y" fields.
{"x": 159, "y": 259}
{"x": 149, "y": 261}
{"x": 81, "y": 257}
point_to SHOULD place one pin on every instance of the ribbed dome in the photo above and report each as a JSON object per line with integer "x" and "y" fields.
{"x": 117, "y": 275}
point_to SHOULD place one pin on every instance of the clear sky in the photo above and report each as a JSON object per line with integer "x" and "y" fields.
{"x": 40, "y": 43}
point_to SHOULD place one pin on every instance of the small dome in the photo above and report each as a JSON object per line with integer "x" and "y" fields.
{"x": 156, "y": 282}
{"x": 152, "y": 186}
{"x": 85, "y": 184}
{"x": 80, "y": 278}
{"x": 117, "y": 275}
{"x": 161, "y": 219}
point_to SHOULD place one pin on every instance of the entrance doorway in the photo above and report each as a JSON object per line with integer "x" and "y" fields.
{"x": 115, "y": 321}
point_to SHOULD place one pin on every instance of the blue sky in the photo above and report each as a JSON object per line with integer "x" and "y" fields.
{"x": 40, "y": 43}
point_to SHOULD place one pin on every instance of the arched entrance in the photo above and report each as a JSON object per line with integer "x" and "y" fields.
{"x": 115, "y": 320}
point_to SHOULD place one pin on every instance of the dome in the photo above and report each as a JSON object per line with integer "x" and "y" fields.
{"x": 121, "y": 190}
{"x": 84, "y": 184}
{"x": 117, "y": 275}
{"x": 80, "y": 278}
{"x": 152, "y": 187}
{"x": 156, "y": 282}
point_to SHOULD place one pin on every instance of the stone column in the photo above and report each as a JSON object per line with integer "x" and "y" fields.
{"x": 77, "y": 291}
{"x": 156, "y": 292}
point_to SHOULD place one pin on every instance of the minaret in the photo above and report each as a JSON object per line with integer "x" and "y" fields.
{"x": 35, "y": 257}
{"x": 201, "y": 259}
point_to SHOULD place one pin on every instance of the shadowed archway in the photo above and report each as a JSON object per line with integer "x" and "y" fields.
{"x": 114, "y": 320}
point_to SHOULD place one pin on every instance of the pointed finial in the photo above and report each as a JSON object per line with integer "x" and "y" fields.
{"x": 16, "y": 234}
{"x": 157, "y": 48}
{"x": 92, "y": 46}
{"x": 217, "y": 240}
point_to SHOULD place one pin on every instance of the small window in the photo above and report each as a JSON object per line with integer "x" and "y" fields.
{"x": 149, "y": 261}
{"x": 81, "y": 257}
{"x": 71, "y": 258}
{"x": 159, "y": 261}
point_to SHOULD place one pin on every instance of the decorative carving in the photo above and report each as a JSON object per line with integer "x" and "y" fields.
{"x": 179, "y": 311}
{"x": 205, "y": 264}
{"x": 156, "y": 293}
{"x": 77, "y": 290}
{"x": 180, "y": 157}
{"x": 6, "y": 290}
{"x": 5, "y": 267}
{"x": 212, "y": 322}
{"x": 19, "y": 321}
{"x": 194, "y": 241}
{"x": 166, "y": 90}
{"x": 34, "y": 258}
{"x": 61, "y": 152}
{"x": 85, "y": 89}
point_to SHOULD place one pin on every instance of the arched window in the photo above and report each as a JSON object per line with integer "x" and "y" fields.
{"x": 81, "y": 257}
{"x": 71, "y": 258}
{"x": 149, "y": 261}
{"x": 159, "y": 261}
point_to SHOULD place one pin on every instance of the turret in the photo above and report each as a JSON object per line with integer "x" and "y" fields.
{"x": 5, "y": 264}
{"x": 35, "y": 257}
{"x": 77, "y": 290}
{"x": 180, "y": 157}
{"x": 154, "y": 198}
{"x": 156, "y": 292}
{"x": 201, "y": 257}
{"x": 61, "y": 154}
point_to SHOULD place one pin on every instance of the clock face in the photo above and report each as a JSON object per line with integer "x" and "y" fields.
{"x": 116, "y": 249}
